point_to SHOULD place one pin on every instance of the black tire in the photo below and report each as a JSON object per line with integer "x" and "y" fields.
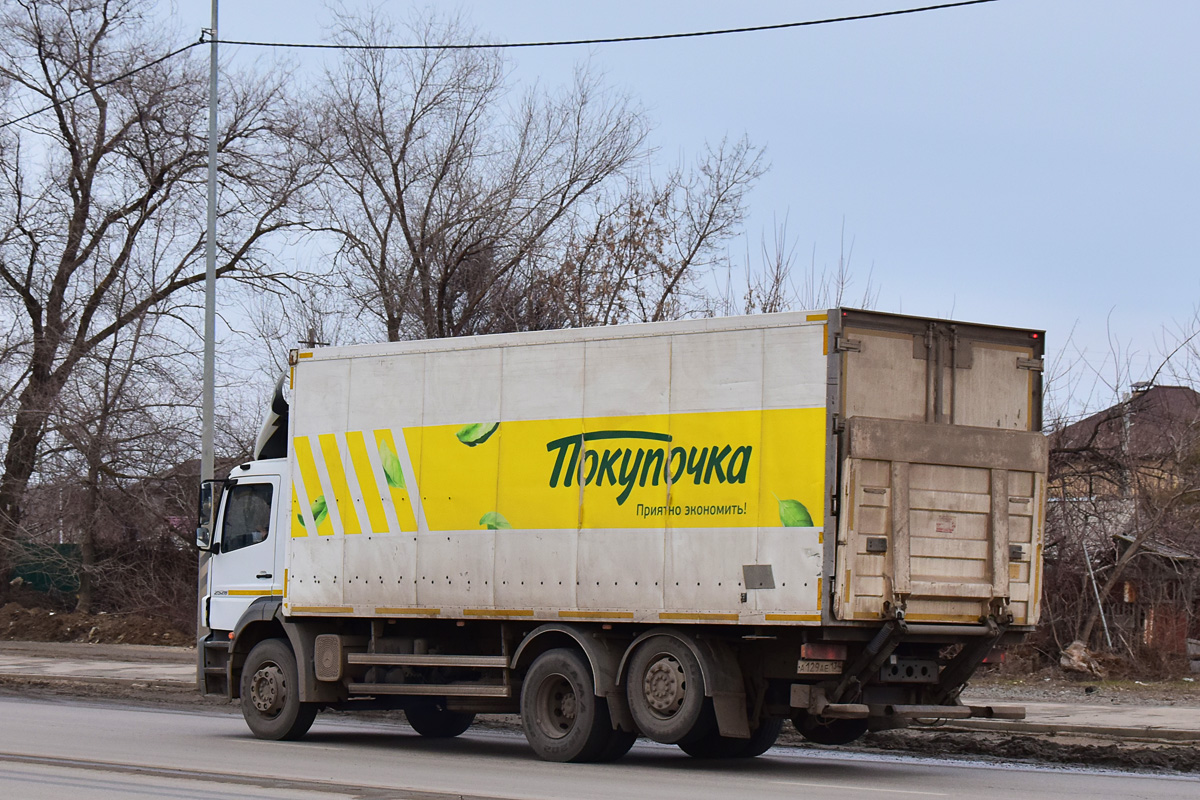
{"x": 562, "y": 717}
{"x": 665, "y": 689}
{"x": 714, "y": 745}
{"x": 824, "y": 730}
{"x": 271, "y": 693}
{"x": 618, "y": 744}
{"x": 434, "y": 721}
{"x": 763, "y": 739}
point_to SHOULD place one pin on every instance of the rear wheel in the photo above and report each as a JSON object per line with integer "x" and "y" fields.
{"x": 434, "y": 721}
{"x": 271, "y": 693}
{"x": 665, "y": 689}
{"x": 562, "y": 717}
{"x": 825, "y": 730}
{"x": 714, "y": 745}
{"x": 763, "y": 739}
{"x": 618, "y": 744}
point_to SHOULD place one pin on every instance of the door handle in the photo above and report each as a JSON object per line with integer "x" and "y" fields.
{"x": 263, "y": 575}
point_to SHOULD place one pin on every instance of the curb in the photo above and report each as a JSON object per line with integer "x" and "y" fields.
{"x": 1134, "y": 734}
{"x": 133, "y": 683}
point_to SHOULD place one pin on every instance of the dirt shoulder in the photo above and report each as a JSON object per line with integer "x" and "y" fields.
{"x": 27, "y": 621}
{"x": 1037, "y": 748}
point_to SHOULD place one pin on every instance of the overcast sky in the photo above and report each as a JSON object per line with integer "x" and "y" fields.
{"x": 1024, "y": 162}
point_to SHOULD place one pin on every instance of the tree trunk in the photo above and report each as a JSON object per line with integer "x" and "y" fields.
{"x": 87, "y": 539}
{"x": 29, "y": 426}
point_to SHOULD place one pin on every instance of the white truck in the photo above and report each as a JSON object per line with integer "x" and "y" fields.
{"x": 690, "y": 531}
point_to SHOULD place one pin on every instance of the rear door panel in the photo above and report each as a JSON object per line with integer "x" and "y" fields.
{"x": 942, "y": 473}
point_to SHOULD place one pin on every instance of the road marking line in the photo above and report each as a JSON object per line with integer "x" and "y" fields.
{"x": 314, "y": 785}
{"x": 864, "y": 789}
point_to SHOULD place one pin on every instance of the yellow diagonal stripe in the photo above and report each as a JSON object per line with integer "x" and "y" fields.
{"x": 400, "y": 499}
{"x": 366, "y": 481}
{"x": 341, "y": 489}
{"x": 298, "y": 529}
{"x": 312, "y": 481}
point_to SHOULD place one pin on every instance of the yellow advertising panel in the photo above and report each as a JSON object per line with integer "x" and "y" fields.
{"x": 730, "y": 469}
{"x": 718, "y": 469}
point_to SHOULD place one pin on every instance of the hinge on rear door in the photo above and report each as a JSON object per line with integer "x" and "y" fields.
{"x": 1034, "y": 364}
{"x": 843, "y": 345}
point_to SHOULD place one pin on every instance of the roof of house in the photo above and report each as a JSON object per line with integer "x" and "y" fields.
{"x": 1162, "y": 549}
{"x": 1155, "y": 422}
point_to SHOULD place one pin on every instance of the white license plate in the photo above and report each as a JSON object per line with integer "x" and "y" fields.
{"x": 804, "y": 667}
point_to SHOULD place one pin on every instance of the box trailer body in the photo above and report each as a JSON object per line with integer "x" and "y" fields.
{"x": 809, "y": 507}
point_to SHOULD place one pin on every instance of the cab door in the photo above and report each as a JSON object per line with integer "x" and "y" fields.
{"x": 248, "y": 563}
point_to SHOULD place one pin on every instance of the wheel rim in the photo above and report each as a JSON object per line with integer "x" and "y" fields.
{"x": 665, "y": 687}
{"x": 268, "y": 690}
{"x": 557, "y": 706}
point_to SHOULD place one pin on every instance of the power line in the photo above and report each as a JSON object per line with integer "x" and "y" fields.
{"x": 614, "y": 40}
{"x": 503, "y": 45}
{"x": 103, "y": 84}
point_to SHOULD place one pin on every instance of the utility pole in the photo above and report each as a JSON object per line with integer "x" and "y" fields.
{"x": 208, "y": 401}
{"x": 210, "y": 268}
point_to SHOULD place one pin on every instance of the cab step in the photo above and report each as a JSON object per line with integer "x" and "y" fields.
{"x": 425, "y": 660}
{"x": 432, "y": 689}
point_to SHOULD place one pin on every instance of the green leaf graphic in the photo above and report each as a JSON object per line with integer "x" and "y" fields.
{"x": 301, "y": 518}
{"x": 319, "y": 511}
{"x": 476, "y": 433}
{"x": 391, "y": 466}
{"x": 494, "y": 521}
{"x": 793, "y": 514}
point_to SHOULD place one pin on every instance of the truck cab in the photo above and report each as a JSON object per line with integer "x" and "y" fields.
{"x": 247, "y": 548}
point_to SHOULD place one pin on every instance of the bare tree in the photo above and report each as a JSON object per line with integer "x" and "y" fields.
{"x": 642, "y": 258}
{"x": 279, "y": 323}
{"x": 122, "y": 419}
{"x": 772, "y": 284}
{"x": 103, "y": 194}
{"x": 447, "y": 195}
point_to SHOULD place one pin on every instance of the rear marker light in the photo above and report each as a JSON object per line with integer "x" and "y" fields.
{"x": 823, "y": 652}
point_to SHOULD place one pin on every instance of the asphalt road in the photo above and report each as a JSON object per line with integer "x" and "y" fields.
{"x": 176, "y": 667}
{"x": 52, "y": 749}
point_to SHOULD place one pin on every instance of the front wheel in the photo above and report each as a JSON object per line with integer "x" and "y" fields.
{"x": 562, "y": 717}
{"x": 271, "y": 693}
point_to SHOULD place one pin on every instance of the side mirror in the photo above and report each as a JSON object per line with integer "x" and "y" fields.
{"x": 207, "y": 519}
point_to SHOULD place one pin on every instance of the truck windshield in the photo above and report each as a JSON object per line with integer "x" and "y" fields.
{"x": 247, "y": 516}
